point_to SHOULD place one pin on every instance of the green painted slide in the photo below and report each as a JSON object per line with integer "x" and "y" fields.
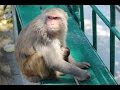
{"x": 80, "y": 47}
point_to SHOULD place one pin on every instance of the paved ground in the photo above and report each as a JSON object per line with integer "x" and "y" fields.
{"x": 9, "y": 72}
{"x": 11, "y": 75}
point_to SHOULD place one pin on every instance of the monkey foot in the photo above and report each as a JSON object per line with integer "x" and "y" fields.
{"x": 86, "y": 77}
{"x": 83, "y": 65}
{"x": 34, "y": 79}
{"x": 59, "y": 73}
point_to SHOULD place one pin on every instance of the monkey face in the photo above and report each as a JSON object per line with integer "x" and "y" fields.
{"x": 55, "y": 19}
{"x": 53, "y": 23}
{"x": 66, "y": 51}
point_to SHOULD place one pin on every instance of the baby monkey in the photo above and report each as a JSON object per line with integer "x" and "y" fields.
{"x": 66, "y": 53}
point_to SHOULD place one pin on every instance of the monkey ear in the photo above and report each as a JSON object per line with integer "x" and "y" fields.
{"x": 66, "y": 15}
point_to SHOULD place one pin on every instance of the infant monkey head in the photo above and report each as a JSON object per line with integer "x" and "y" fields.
{"x": 66, "y": 53}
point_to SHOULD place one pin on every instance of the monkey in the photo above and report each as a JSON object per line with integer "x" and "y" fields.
{"x": 66, "y": 53}
{"x": 38, "y": 48}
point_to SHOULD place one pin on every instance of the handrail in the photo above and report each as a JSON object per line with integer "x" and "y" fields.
{"x": 111, "y": 25}
{"x": 105, "y": 20}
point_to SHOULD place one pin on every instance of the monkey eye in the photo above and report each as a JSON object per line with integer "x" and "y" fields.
{"x": 51, "y": 17}
{"x": 56, "y": 17}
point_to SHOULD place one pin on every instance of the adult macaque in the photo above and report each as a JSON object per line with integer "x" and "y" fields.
{"x": 38, "y": 48}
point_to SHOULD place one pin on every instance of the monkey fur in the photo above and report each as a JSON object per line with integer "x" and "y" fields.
{"x": 38, "y": 48}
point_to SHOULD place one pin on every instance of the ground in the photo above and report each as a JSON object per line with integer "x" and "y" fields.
{"x": 9, "y": 71}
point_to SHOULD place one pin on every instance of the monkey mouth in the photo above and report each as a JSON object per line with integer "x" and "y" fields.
{"x": 53, "y": 29}
{"x": 53, "y": 33}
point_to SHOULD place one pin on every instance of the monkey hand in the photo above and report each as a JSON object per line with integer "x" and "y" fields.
{"x": 59, "y": 73}
{"x": 83, "y": 65}
{"x": 84, "y": 76}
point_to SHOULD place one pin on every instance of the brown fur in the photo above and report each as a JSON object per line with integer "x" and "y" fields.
{"x": 38, "y": 49}
{"x": 29, "y": 61}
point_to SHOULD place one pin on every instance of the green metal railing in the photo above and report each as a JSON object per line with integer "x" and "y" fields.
{"x": 111, "y": 25}
{"x": 98, "y": 71}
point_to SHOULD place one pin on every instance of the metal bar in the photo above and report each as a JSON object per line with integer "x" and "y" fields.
{"x": 112, "y": 39}
{"x": 74, "y": 7}
{"x": 112, "y": 28}
{"x": 117, "y": 8}
{"x": 69, "y": 7}
{"x": 15, "y": 29}
{"x": 94, "y": 29}
{"x": 76, "y": 81}
{"x": 18, "y": 17}
{"x": 82, "y": 17}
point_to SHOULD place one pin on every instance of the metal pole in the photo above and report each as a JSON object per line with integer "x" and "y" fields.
{"x": 112, "y": 39}
{"x": 15, "y": 29}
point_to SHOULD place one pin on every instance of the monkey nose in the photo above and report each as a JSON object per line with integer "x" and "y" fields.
{"x": 52, "y": 24}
